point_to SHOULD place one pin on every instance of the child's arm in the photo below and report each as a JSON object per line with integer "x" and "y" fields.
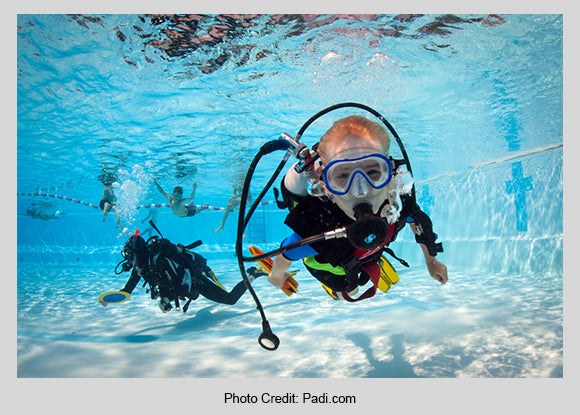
{"x": 162, "y": 191}
{"x": 192, "y": 195}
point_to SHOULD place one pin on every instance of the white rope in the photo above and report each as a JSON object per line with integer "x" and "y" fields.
{"x": 496, "y": 161}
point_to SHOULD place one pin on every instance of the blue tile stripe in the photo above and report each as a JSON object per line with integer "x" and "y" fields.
{"x": 519, "y": 186}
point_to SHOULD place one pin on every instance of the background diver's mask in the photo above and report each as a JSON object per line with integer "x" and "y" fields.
{"x": 357, "y": 175}
{"x": 128, "y": 254}
{"x": 134, "y": 248}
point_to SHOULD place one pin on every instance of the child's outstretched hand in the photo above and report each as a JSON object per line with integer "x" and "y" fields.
{"x": 437, "y": 270}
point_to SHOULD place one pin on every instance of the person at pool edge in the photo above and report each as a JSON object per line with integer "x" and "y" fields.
{"x": 174, "y": 272}
{"x": 179, "y": 205}
{"x": 354, "y": 178}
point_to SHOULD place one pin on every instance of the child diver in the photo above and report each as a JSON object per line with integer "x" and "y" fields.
{"x": 178, "y": 204}
{"x": 173, "y": 273}
{"x": 354, "y": 182}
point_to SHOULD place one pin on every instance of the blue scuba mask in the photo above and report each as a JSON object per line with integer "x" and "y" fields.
{"x": 358, "y": 174}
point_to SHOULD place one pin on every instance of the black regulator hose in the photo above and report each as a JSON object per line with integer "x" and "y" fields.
{"x": 268, "y": 340}
{"x": 367, "y": 232}
{"x": 337, "y": 233}
{"x": 267, "y": 148}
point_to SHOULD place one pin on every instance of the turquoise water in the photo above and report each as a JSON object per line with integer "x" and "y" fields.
{"x": 477, "y": 100}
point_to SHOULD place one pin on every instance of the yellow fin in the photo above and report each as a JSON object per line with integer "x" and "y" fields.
{"x": 265, "y": 263}
{"x": 329, "y": 292}
{"x": 290, "y": 285}
{"x": 214, "y": 278}
{"x": 388, "y": 275}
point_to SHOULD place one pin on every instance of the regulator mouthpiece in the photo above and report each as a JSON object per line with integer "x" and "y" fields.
{"x": 267, "y": 339}
{"x": 369, "y": 230}
{"x": 126, "y": 266}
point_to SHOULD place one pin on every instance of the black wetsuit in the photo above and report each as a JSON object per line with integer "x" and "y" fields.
{"x": 174, "y": 272}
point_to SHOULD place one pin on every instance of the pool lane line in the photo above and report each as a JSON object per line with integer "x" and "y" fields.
{"x": 145, "y": 206}
{"x": 492, "y": 162}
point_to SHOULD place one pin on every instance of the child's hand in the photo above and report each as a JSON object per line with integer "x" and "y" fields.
{"x": 437, "y": 270}
{"x": 278, "y": 279}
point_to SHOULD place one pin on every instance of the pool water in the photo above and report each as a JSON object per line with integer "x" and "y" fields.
{"x": 476, "y": 99}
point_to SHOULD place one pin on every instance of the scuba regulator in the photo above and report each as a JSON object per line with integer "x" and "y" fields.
{"x": 367, "y": 232}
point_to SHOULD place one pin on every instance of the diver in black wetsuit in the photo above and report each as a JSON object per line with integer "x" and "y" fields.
{"x": 174, "y": 273}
